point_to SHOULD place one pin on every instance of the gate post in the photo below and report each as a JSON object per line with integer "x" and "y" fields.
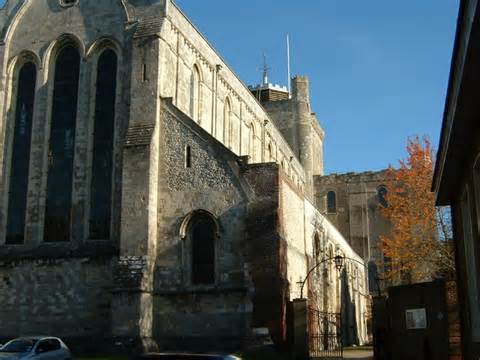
{"x": 380, "y": 327}
{"x": 300, "y": 332}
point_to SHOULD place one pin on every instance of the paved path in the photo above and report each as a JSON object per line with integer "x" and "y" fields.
{"x": 358, "y": 354}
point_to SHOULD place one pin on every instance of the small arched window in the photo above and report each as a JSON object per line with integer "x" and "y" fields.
{"x": 269, "y": 152}
{"x": 331, "y": 202}
{"x": 103, "y": 141}
{"x": 188, "y": 157}
{"x": 227, "y": 122}
{"x": 22, "y": 133}
{"x": 382, "y": 195}
{"x": 202, "y": 232}
{"x": 62, "y": 145}
{"x": 195, "y": 93}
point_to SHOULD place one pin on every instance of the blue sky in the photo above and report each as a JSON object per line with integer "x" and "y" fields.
{"x": 378, "y": 69}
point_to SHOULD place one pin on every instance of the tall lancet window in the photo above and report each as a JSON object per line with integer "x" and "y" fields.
{"x": 22, "y": 134}
{"x": 103, "y": 142}
{"x": 61, "y": 145}
{"x": 195, "y": 94}
{"x": 227, "y": 123}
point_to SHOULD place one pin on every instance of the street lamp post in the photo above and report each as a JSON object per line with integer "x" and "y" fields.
{"x": 339, "y": 262}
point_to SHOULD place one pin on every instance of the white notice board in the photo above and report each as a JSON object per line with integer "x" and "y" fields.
{"x": 416, "y": 319}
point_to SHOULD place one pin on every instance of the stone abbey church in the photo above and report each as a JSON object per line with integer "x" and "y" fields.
{"x": 147, "y": 196}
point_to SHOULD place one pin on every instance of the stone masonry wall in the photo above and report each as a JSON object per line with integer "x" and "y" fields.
{"x": 190, "y": 316}
{"x": 265, "y": 252}
{"x": 358, "y": 216}
{"x": 69, "y": 298}
{"x": 299, "y": 224}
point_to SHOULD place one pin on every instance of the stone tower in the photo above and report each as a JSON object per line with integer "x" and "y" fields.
{"x": 352, "y": 202}
{"x": 299, "y": 125}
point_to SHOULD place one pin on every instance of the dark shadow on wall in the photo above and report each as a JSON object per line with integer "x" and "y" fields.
{"x": 349, "y": 311}
{"x": 373, "y": 279}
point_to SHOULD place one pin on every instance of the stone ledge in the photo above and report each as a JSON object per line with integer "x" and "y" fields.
{"x": 148, "y": 27}
{"x": 57, "y": 251}
{"x": 211, "y": 290}
{"x": 130, "y": 290}
{"x": 139, "y": 135}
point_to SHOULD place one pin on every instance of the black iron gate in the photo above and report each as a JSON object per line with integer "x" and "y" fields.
{"x": 325, "y": 335}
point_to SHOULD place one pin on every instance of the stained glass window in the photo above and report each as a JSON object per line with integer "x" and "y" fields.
{"x": 103, "y": 142}
{"x": 17, "y": 195}
{"x": 61, "y": 146}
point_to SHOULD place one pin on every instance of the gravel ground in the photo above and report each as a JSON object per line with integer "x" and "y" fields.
{"x": 358, "y": 354}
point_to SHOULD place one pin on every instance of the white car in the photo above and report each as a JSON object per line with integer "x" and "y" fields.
{"x": 35, "y": 348}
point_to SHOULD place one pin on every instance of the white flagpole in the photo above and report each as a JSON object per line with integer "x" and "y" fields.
{"x": 288, "y": 65}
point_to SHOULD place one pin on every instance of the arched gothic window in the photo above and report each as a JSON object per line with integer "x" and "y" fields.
{"x": 382, "y": 195}
{"x": 103, "y": 142}
{"x": 195, "y": 93}
{"x": 251, "y": 143}
{"x": 203, "y": 233}
{"x": 227, "y": 122}
{"x": 61, "y": 145}
{"x": 22, "y": 134}
{"x": 331, "y": 202}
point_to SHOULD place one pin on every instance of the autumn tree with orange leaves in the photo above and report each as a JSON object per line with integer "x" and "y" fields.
{"x": 417, "y": 246}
